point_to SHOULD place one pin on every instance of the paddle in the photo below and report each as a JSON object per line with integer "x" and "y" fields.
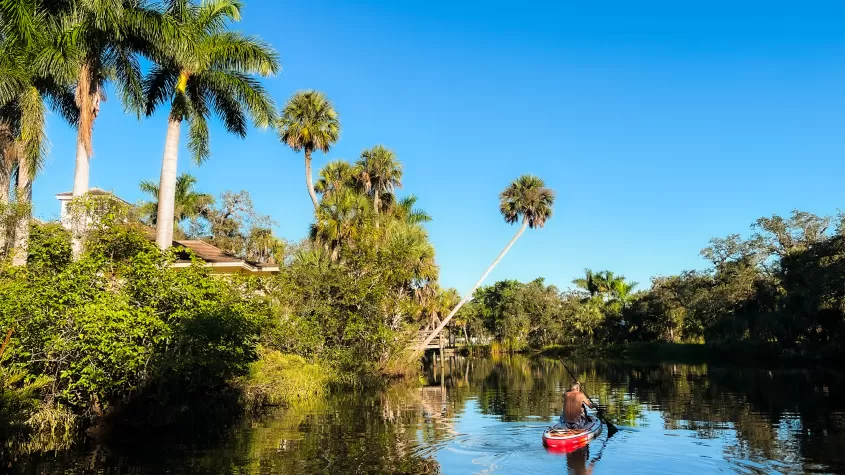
{"x": 611, "y": 429}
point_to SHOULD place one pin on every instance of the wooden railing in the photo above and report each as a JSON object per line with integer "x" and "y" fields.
{"x": 438, "y": 342}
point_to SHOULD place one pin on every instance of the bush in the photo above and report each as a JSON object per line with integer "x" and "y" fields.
{"x": 121, "y": 321}
{"x": 279, "y": 378}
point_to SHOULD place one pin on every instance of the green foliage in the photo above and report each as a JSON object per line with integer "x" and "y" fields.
{"x": 49, "y": 247}
{"x": 188, "y": 203}
{"x": 121, "y": 321}
{"x": 779, "y": 292}
{"x": 279, "y": 378}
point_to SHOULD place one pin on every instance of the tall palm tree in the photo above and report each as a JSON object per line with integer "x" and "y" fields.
{"x": 335, "y": 176}
{"x": 309, "y": 122}
{"x": 526, "y": 199}
{"x": 187, "y": 203}
{"x": 381, "y": 173}
{"x": 213, "y": 75}
{"x": 30, "y": 74}
{"x": 100, "y": 41}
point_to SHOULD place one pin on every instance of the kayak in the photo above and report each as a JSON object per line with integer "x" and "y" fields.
{"x": 558, "y": 437}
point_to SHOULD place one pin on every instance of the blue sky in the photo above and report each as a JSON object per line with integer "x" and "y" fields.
{"x": 658, "y": 124}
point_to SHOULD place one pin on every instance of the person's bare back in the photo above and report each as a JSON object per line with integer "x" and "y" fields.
{"x": 573, "y": 399}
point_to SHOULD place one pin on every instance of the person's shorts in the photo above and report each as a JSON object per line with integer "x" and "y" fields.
{"x": 580, "y": 423}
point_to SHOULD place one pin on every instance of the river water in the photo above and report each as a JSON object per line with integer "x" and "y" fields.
{"x": 486, "y": 415}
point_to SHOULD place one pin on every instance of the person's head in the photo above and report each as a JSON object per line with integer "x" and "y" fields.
{"x": 575, "y": 388}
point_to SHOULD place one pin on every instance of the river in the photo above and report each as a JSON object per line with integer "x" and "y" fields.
{"x": 486, "y": 415}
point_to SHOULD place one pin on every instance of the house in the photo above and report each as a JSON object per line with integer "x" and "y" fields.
{"x": 217, "y": 259}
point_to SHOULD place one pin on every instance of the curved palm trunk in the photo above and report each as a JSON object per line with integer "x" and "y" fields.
{"x": 308, "y": 181}
{"x": 167, "y": 186}
{"x": 24, "y": 197}
{"x": 469, "y": 294}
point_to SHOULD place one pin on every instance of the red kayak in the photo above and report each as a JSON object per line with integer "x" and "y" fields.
{"x": 561, "y": 438}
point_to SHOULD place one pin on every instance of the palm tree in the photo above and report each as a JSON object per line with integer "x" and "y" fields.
{"x": 338, "y": 220}
{"x": 589, "y": 282}
{"x": 381, "y": 173}
{"x": 405, "y": 211}
{"x": 213, "y": 75}
{"x": 187, "y": 203}
{"x": 100, "y": 41}
{"x": 309, "y": 122}
{"x": 30, "y": 74}
{"x": 526, "y": 199}
{"x": 335, "y": 176}
{"x": 622, "y": 291}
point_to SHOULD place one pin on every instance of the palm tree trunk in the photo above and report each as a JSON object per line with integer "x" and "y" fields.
{"x": 24, "y": 199}
{"x": 308, "y": 181}
{"x": 471, "y": 292}
{"x": 376, "y": 206}
{"x": 88, "y": 106}
{"x": 81, "y": 173}
{"x": 167, "y": 186}
{"x": 5, "y": 225}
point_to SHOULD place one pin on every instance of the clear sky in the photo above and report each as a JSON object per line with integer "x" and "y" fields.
{"x": 658, "y": 124}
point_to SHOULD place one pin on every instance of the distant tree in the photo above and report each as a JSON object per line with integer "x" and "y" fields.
{"x": 380, "y": 173}
{"x": 187, "y": 203}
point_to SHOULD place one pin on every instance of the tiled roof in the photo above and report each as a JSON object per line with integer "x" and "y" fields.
{"x": 207, "y": 252}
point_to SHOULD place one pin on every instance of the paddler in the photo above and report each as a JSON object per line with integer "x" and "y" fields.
{"x": 575, "y": 403}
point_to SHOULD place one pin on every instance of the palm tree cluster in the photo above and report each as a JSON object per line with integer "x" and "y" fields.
{"x": 606, "y": 285}
{"x": 61, "y": 55}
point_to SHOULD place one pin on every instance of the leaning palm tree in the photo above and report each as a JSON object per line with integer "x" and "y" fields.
{"x": 526, "y": 199}
{"x": 187, "y": 203}
{"x": 309, "y": 122}
{"x": 213, "y": 75}
{"x": 380, "y": 173}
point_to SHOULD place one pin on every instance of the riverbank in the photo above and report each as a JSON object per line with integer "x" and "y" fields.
{"x": 724, "y": 352}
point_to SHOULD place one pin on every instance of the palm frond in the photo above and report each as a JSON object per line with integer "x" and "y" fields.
{"x": 212, "y": 15}
{"x": 233, "y": 51}
{"x": 158, "y": 86}
{"x": 198, "y": 138}
{"x": 128, "y": 80}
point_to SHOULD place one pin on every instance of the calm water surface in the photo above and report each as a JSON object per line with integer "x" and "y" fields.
{"x": 487, "y": 415}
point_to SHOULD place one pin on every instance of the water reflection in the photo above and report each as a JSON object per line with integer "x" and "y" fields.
{"x": 486, "y": 415}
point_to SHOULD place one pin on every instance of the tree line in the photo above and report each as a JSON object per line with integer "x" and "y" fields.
{"x": 780, "y": 287}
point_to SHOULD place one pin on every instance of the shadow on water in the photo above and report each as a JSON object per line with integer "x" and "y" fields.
{"x": 486, "y": 415}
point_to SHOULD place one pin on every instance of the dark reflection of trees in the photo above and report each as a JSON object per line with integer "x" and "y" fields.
{"x": 518, "y": 388}
{"x": 775, "y": 413}
{"x": 353, "y": 433}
